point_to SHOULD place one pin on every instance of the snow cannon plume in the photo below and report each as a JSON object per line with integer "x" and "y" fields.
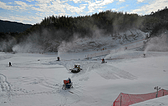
{"x": 157, "y": 44}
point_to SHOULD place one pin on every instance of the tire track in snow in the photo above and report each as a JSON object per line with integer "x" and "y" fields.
{"x": 110, "y": 72}
{"x": 67, "y": 96}
{"x": 105, "y": 70}
{"x": 5, "y": 87}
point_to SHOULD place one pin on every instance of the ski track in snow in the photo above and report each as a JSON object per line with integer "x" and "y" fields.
{"x": 54, "y": 89}
{"x": 6, "y": 56}
{"x": 51, "y": 87}
{"x": 110, "y": 72}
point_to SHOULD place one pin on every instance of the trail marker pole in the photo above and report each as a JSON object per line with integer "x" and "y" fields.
{"x": 157, "y": 88}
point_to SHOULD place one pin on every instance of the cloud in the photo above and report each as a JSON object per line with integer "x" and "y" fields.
{"x": 45, "y": 1}
{"x": 140, "y": 0}
{"x": 52, "y": 7}
{"x": 44, "y": 8}
{"x": 5, "y": 6}
{"x": 100, "y": 10}
{"x": 22, "y": 19}
{"x": 75, "y": 9}
{"x": 23, "y": 5}
{"x": 152, "y": 6}
{"x": 75, "y": 1}
{"x": 18, "y": 5}
{"x": 114, "y": 9}
{"x": 29, "y": 0}
{"x": 105, "y": 2}
{"x": 98, "y": 5}
{"x": 121, "y": 0}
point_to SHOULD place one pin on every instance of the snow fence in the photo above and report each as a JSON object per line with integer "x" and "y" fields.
{"x": 128, "y": 99}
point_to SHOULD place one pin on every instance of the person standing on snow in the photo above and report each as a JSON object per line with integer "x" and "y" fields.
{"x": 103, "y": 60}
{"x": 69, "y": 80}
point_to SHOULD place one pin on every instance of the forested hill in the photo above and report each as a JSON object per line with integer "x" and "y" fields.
{"x": 162, "y": 14}
{"x": 109, "y": 22}
{"x": 161, "y": 27}
{"x": 53, "y": 30}
{"x": 8, "y": 26}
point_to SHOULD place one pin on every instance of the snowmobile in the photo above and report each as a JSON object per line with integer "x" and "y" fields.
{"x": 76, "y": 69}
{"x": 67, "y": 84}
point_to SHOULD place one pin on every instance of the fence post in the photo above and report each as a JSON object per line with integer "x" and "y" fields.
{"x": 121, "y": 100}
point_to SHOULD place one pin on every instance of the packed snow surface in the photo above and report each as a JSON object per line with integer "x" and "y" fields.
{"x": 162, "y": 101}
{"x": 37, "y": 79}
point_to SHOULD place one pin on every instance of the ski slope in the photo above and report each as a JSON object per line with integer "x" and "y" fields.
{"x": 37, "y": 79}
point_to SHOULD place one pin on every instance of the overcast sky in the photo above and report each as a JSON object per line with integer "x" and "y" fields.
{"x": 33, "y": 11}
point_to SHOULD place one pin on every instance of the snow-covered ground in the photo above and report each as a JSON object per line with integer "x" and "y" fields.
{"x": 37, "y": 79}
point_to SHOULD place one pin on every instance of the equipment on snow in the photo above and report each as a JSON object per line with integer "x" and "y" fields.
{"x": 58, "y": 58}
{"x": 144, "y": 55}
{"x": 76, "y": 69}
{"x": 103, "y": 61}
{"x": 10, "y": 64}
{"x": 125, "y": 48}
{"x": 67, "y": 84}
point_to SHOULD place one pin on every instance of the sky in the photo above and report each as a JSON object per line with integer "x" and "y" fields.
{"x": 33, "y": 11}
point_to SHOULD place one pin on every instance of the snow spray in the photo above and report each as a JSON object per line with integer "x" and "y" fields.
{"x": 157, "y": 44}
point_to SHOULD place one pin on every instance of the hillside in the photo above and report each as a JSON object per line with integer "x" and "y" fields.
{"x": 56, "y": 31}
{"x": 8, "y": 26}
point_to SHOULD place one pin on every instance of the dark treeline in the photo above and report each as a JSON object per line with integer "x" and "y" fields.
{"x": 161, "y": 27}
{"x": 54, "y": 29}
